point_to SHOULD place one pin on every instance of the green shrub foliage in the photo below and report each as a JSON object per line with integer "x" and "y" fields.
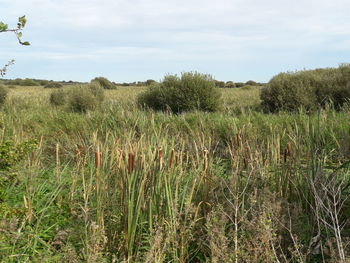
{"x": 191, "y": 91}
{"x": 309, "y": 89}
{"x": 85, "y": 98}
{"x": 104, "y": 82}
{"x": 58, "y": 97}
{"x": 3, "y": 94}
{"x": 53, "y": 85}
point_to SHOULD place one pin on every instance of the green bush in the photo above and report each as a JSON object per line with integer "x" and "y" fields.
{"x": 251, "y": 83}
{"x": 239, "y": 84}
{"x": 58, "y": 97}
{"x": 97, "y": 90}
{"x": 220, "y": 84}
{"x": 230, "y": 84}
{"x": 3, "y": 94}
{"x": 85, "y": 98}
{"x": 309, "y": 89}
{"x": 191, "y": 91}
{"x": 29, "y": 82}
{"x": 105, "y": 83}
{"x": 53, "y": 85}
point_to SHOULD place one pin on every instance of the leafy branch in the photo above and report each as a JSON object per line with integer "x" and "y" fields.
{"x": 20, "y": 25}
{"x": 18, "y": 32}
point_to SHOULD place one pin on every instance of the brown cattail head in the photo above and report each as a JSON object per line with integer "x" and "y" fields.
{"x": 98, "y": 158}
{"x": 287, "y": 151}
{"x": 172, "y": 156}
{"x": 131, "y": 162}
{"x": 160, "y": 158}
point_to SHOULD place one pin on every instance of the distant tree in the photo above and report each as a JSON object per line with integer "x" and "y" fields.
{"x": 220, "y": 84}
{"x": 230, "y": 84}
{"x": 150, "y": 81}
{"x": 239, "y": 84}
{"x": 18, "y": 32}
{"x": 251, "y": 83}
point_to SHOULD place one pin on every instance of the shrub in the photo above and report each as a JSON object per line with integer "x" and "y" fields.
{"x": 309, "y": 89}
{"x": 3, "y": 94}
{"x": 239, "y": 84}
{"x": 97, "y": 90}
{"x": 150, "y": 82}
{"x": 251, "y": 83}
{"x": 53, "y": 85}
{"x": 58, "y": 97}
{"x": 85, "y": 98}
{"x": 29, "y": 82}
{"x": 191, "y": 91}
{"x": 289, "y": 91}
{"x": 230, "y": 84}
{"x": 105, "y": 83}
{"x": 220, "y": 84}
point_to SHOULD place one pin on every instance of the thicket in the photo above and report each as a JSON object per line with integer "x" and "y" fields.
{"x": 53, "y": 85}
{"x": 308, "y": 89}
{"x": 190, "y": 91}
{"x": 85, "y": 98}
{"x": 58, "y": 97}
{"x": 104, "y": 83}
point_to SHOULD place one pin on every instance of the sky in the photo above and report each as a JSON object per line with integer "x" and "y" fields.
{"x": 136, "y": 40}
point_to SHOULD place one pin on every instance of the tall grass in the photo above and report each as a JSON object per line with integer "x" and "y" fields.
{"x": 123, "y": 185}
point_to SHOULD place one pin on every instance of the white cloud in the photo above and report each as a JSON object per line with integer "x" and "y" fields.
{"x": 192, "y": 31}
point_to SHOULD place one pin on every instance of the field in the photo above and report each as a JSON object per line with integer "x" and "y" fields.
{"x": 122, "y": 184}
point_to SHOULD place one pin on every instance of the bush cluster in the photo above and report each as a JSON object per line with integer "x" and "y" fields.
{"x": 58, "y": 97}
{"x": 80, "y": 98}
{"x": 191, "y": 91}
{"x": 308, "y": 89}
{"x": 104, "y": 83}
{"x": 53, "y": 85}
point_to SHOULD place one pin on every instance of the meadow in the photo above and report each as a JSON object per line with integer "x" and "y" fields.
{"x": 124, "y": 184}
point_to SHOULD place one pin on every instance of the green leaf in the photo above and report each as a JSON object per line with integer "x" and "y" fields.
{"x": 26, "y": 43}
{"x": 3, "y": 26}
{"x": 22, "y": 21}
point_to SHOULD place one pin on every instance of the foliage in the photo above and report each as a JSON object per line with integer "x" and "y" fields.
{"x": 104, "y": 82}
{"x": 3, "y": 94}
{"x": 17, "y": 31}
{"x": 150, "y": 82}
{"x": 11, "y": 154}
{"x": 53, "y": 85}
{"x": 308, "y": 89}
{"x": 239, "y": 84}
{"x": 85, "y": 98}
{"x": 20, "y": 25}
{"x": 191, "y": 91}
{"x": 230, "y": 84}
{"x": 58, "y": 97}
{"x": 220, "y": 84}
{"x": 251, "y": 83}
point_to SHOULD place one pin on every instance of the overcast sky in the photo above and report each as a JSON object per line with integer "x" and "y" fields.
{"x": 131, "y": 40}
